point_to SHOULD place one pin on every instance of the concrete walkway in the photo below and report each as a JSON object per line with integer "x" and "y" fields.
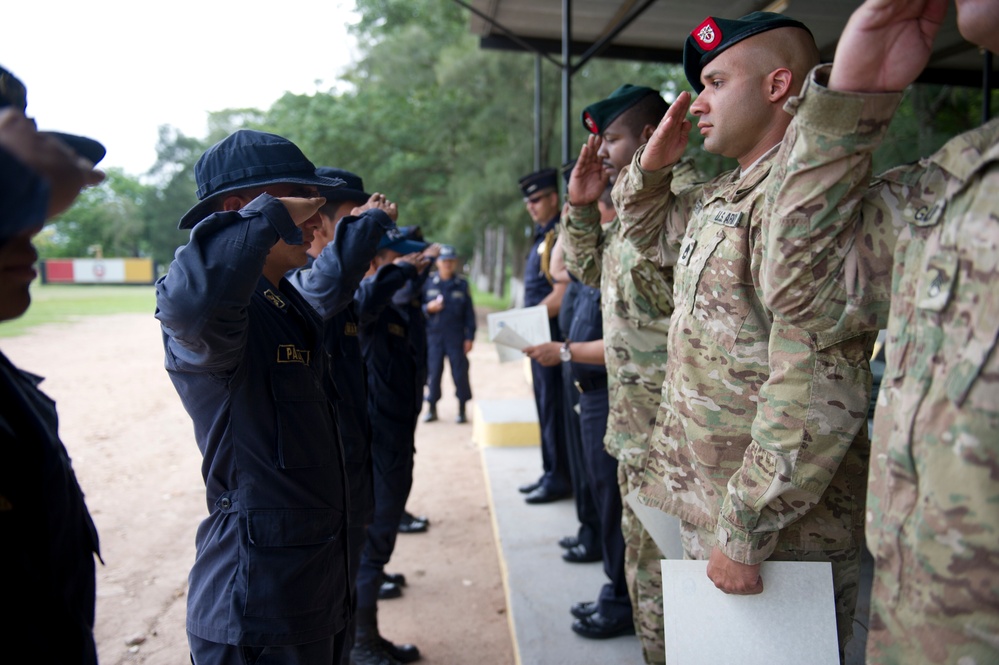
{"x": 540, "y": 586}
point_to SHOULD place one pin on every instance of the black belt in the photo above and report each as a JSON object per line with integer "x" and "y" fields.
{"x": 595, "y": 383}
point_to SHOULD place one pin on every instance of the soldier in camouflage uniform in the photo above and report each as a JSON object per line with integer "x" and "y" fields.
{"x": 636, "y": 301}
{"x": 923, "y": 238}
{"x": 760, "y": 446}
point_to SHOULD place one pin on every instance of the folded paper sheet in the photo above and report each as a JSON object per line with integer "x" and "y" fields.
{"x": 514, "y": 329}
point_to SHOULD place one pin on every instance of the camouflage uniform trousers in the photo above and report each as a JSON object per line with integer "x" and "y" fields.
{"x": 644, "y": 572}
{"x": 698, "y": 543}
{"x": 636, "y": 361}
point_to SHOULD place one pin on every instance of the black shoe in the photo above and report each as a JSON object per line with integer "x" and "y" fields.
{"x": 371, "y": 652}
{"x": 597, "y": 627}
{"x": 461, "y": 420}
{"x": 412, "y": 524}
{"x": 583, "y": 610}
{"x": 389, "y": 590}
{"x": 545, "y": 495}
{"x": 404, "y": 653}
{"x": 397, "y": 579}
{"x": 529, "y": 487}
{"x": 581, "y": 554}
{"x": 568, "y": 542}
{"x": 431, "y": 414}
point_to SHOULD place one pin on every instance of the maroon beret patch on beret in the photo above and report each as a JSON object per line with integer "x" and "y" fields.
{"x": 590, "y": 123}
{"x": 707, "y": 35}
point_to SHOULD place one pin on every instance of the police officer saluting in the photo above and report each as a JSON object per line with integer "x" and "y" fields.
{"x": 450, "y": 331}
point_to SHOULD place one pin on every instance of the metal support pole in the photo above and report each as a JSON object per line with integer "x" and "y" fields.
{"x": 566, "y": 79}
{"x": 537, "y": 112}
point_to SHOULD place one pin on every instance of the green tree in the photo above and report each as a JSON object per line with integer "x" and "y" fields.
{"x": 107, "y": 220}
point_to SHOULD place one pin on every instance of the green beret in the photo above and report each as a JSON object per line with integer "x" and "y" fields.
{"x": 714, "y": 35}
{"x": 599, "y": 116}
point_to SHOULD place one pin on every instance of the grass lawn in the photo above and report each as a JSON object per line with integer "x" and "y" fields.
{"x": 488, "y": 301}
{"x": 53, "y": 303}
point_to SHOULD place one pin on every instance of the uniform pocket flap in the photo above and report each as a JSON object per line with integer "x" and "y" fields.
{"x": 291, "y": 528}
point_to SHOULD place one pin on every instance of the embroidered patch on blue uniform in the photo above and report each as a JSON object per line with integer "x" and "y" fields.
{"x": 289, "y": 353}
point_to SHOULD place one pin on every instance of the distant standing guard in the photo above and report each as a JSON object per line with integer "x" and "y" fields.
{"x": 450, "y": 331}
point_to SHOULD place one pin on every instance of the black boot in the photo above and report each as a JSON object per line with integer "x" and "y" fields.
{"x": 431, "y": 414}
{"x": 368, "y": 649}
{"x": 461, "y": 420}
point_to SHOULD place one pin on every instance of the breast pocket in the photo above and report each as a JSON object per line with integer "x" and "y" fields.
{"x": 305, "y": 430}
{"x": 723, "y": 291}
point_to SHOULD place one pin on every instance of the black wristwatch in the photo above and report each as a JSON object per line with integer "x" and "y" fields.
{"x": 565, "y": 354}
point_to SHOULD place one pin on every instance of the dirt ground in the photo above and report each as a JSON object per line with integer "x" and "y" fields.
{"x": 133, "y": 450}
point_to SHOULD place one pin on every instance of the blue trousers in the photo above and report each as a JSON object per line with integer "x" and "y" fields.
{"x": 454, "y": 349}
{"x": 393, "y": 470}
{"x": 586, "y": 508}
{"x": 613, "y": 601}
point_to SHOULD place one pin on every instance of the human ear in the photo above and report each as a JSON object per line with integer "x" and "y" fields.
{"x": 779, "y": 83}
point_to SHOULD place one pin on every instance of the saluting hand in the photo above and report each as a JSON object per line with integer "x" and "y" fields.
{"x": 380, "y": 202}
{"x": 301, "y": 208}
{"x": 588, "y": 179}
{"x": 66, "y": 172}
{"x": 416, "y": 259}
{"x": 666, "y": 146}
{"x": 886, "y": 44}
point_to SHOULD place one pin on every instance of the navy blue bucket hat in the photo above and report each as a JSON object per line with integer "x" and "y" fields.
{"x": 248, "y": 158}
{"x": 352, "y": 190}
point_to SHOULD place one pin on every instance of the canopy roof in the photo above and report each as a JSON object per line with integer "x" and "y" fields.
{"x": 655, "y": 30}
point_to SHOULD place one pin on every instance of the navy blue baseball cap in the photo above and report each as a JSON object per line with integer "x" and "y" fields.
{"x": 539, "y": 180}
{"x": 399, "y": 241}
{"x": 713, "y": 35}
{"x": 352, "y": 190}
{"x": 448, "y": 252}
{"x": 248, "y": 158}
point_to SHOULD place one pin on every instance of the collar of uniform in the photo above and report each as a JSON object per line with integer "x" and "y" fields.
{"x": 964, "y": 155}
{"x": 540, "y": 231}
{"x": 735, "y": 187}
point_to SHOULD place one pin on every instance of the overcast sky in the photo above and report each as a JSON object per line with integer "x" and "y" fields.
{"x": 116, "y": 71}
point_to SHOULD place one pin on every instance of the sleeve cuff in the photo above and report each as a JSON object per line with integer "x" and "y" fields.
{"x": 837, "y": 113}
{"x": 584, "y": 217}
{"x": 742, "y": 546}
{"x": 642, "y": 179}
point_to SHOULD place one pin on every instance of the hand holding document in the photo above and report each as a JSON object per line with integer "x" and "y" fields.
{"x": 515, "y": 329}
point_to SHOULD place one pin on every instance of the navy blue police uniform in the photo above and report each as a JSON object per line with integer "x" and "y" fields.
{"x": 585, "y": 546}
{"x": 547, "y": 380}
{"x": 48, "y": 537}
{"x": 393, "y": 409}
{"x": 325, "y": 282}
{"x": 248, "y": 361}
{"x": 447, "y": 332}
{"x": 613, "y": 603}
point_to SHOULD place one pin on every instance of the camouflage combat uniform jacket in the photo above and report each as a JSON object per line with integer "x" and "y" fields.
{"x": 925, "y": 237}
{"x": 761, "y": 435}
{"x": 637, "y": 300}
